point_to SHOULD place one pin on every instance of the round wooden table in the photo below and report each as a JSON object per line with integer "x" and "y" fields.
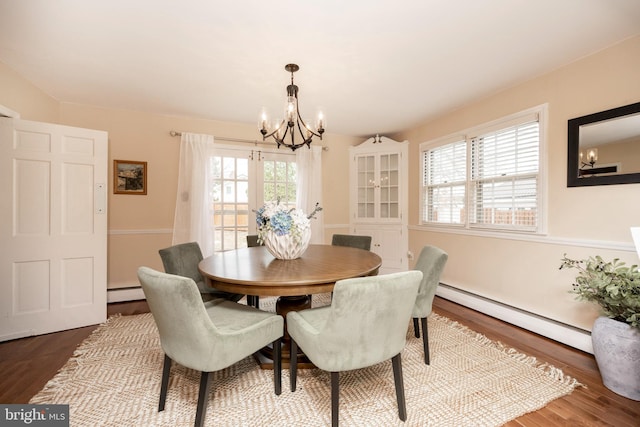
{"x": 254, "y": 271}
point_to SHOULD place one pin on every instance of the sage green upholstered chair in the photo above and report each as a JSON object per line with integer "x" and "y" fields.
{"x": 354, "y": 241}
{"x": 431, "y": 262}
{"x": 252, "y": 241}
{"x": 365, "y": 324}
{"x": 206, "y": 336}
{"x": 183, "y": 260}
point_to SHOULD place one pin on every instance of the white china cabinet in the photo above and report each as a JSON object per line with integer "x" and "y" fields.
{"x": 378, "y": 198}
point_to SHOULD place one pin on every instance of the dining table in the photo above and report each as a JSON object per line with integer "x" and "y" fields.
{"x": 255, "y": 271}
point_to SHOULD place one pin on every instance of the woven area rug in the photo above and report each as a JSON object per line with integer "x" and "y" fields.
{"x": 113, "y": 379}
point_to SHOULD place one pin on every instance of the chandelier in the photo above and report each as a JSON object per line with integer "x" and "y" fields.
{"x": 292, "y": 123}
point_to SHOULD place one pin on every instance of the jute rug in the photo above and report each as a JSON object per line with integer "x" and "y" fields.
{"x": 113, "y": 379}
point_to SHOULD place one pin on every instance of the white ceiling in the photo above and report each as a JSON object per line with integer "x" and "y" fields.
{"x": 374, "y": 66}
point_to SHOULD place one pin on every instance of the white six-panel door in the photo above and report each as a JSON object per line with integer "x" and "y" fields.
{"x": 53, "y": 227}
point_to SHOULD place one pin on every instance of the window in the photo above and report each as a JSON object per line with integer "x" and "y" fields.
{"x": 444, "y": 182}
{"x": 242, "y": 180}
{"x": 489, "y": 179}
{"x": 279, "y": 179}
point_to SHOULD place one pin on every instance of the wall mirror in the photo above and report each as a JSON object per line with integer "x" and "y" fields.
{"x": 604, "y": 147}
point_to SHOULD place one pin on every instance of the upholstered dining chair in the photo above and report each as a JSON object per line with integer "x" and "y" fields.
{"x": 365, "y": 324}
{"x": 252, "y": 241}
{"x": 208, "y": 336}
{"x": 431, "y": 262}
{"x": 354, "y": 241}
{"x": 351, "y": 240}
{"x": 182, "y": 260}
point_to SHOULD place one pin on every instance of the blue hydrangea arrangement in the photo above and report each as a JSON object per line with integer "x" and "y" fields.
{"x": 283, "y": 221}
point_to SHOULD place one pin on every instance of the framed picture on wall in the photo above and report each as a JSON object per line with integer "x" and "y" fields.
{"x": 129, "y": 177}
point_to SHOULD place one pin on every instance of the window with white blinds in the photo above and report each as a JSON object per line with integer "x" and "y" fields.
{"x": 488, "y": 180}
{"x": 444, "y": 183}
{"x": 504, "y": 178}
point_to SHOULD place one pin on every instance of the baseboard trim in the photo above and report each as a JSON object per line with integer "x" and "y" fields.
{"x": 125, "y": 294}
{"x": 566, "y": 334}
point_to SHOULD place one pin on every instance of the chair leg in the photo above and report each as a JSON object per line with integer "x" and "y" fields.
{"x": 416, "y": 329}
{"x": 335, "y": 398}
{"x": 277, "y": 366}
{"x": 203, "y": 399}
{"x": 397, "y": 377}
{"x": 293, "y": 364}
{"x": 256, "y": 301}
{"x": 250, "y": 302}
{"x": 425, "y": 340}
{"x": 164, "y": 383}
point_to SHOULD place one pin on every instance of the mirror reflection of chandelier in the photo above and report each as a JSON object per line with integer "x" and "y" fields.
{"x": 292, "y": 124}
{"x": 588, "y": 166}
{"x": 592, "y": 157}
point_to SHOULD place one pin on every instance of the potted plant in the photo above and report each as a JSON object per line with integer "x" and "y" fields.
{"x": 615, "y": 287}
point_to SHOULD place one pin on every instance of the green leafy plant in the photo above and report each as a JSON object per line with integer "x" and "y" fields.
{"x": 613, "y": 285}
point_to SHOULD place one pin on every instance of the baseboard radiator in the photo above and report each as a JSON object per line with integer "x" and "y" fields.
{"x": 132, "y": 293}
{"x": 557, "y": 331}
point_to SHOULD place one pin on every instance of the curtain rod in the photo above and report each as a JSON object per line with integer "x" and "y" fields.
{"x": 248, "y": 141}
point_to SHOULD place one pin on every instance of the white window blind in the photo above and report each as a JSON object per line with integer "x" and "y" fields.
{"x": 504, "y": 178}
{"x": 444, "y": 183}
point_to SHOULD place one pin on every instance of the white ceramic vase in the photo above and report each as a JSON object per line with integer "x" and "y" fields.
{"x": 287, "y": 247}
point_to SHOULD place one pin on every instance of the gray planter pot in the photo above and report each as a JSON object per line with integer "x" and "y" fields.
{"x": 616, "y": 347}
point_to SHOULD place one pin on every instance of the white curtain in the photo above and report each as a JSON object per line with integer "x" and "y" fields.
{"x": 193, "y": 221}
{"x": 309, "y": 188}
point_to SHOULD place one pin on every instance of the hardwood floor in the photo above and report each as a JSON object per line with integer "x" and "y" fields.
{"x": 27, "y": 364}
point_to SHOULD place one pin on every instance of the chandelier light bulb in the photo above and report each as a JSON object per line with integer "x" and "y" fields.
{"x": 308, "y": 130}
{"x": 264, "y": 123}
{"x": 291, "y": 110}
{"x": 280, "y": 130}
{"x": 321, "y": 122}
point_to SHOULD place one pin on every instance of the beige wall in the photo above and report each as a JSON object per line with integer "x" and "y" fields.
{"x": 24, "y": 98}
{"x": 523, "y": 272}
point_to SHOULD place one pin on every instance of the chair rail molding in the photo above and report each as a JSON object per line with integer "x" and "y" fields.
{"x": 134, "y": 231}
{"x": 562, "y": 241}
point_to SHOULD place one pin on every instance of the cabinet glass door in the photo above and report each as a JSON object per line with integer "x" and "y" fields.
{"x": 366, "y": 186}
{"x": 389, "y": 186}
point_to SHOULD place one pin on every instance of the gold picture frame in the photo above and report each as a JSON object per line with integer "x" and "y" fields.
{"x": 129, "y": 177}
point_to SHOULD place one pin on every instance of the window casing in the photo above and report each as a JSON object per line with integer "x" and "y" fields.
{"x": 489, "y": 178}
